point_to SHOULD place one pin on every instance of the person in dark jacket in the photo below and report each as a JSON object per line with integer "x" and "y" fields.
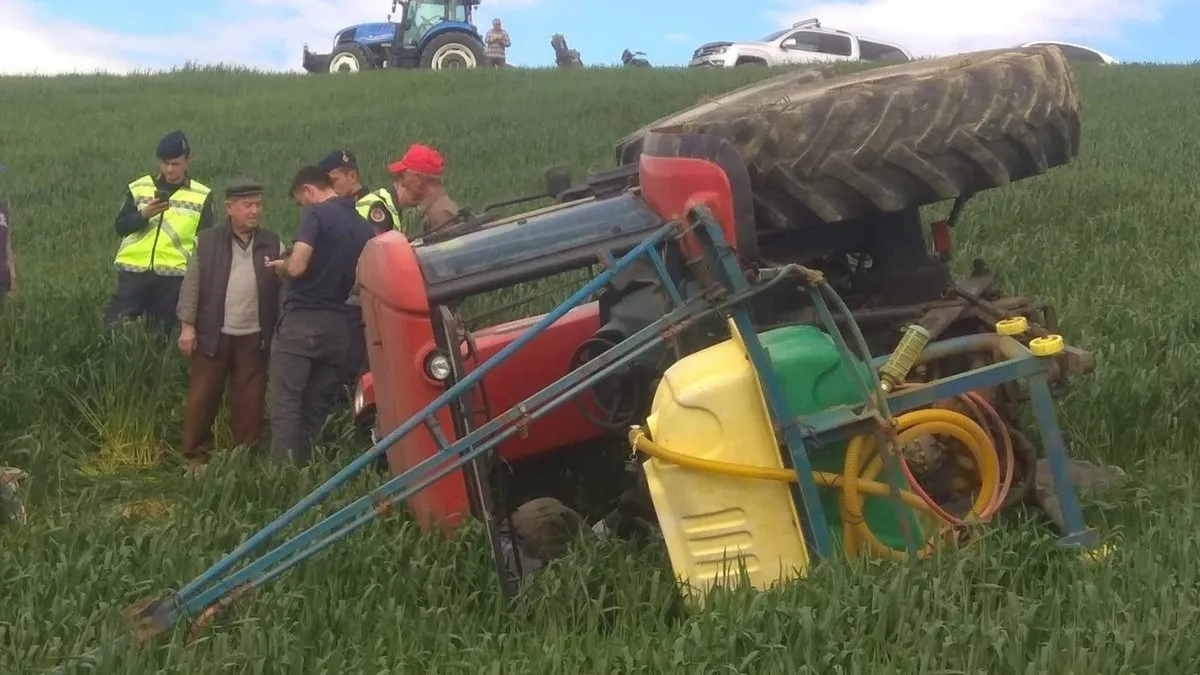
{"x": 378, "y": 207}
{"x": 158, "y": 225}
{"x": 312, "y": 340}
{"x": 228, "y": 305}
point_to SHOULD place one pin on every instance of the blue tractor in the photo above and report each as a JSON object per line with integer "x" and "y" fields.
{"x": 432, "y": 34}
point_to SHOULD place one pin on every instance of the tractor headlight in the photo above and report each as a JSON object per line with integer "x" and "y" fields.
{"x": 437, "y": 366}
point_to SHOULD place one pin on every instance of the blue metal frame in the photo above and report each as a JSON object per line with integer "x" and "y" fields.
{"x": 214, "y": 587}
{"x": 725, "y": 291}
{"x": 841, "y": 423}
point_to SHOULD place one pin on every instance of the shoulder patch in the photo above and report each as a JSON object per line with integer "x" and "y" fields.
{"x": 378, "y": 214}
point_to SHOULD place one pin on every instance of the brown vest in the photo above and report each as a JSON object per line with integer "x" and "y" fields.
{"x": 216, "y": 258}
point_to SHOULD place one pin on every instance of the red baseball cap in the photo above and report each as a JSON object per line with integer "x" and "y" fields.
{"x": 419, "y": 158}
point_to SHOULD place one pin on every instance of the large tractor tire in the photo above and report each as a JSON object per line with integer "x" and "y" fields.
{"x": 453, "y": 49}
{"x": 349, "y": 59}
{"x": 838, "y": 148}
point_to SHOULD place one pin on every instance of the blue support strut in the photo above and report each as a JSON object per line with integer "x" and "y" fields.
{"x": 326, "y": 488}
{"x": 725, "y": 290}
{"x": 213, "y": 588}
{"x": 731, "y": 279}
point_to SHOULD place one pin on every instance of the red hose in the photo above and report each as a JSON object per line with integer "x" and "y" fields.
{"x": 978, "y": 406}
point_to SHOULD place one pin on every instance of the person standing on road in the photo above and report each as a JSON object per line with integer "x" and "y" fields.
{"x": 227, "y": 309}
{"x": 310, "y": 343}
{"x": 497, "y": 44}
{"x": 418, "y": 182}
{"x": 8, "y": 261}
{"x": 158, "y": 225}
{"x": 377, "y": 206}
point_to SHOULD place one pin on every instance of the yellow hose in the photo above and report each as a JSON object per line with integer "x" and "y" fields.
{"x": 854, "y": 485}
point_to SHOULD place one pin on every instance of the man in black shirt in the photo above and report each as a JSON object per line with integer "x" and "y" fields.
{"x": 311, "y": 341}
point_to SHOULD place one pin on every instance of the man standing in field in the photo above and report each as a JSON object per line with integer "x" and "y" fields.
{"x": 8, "y": 261}
{"x": 158, "y": 225}
{"x": 497, "y": 44}
{"x": 378, "y": 206}
{"x": 418, "y": 181}
{"x": 228, "y": 305}
{"x": 310, "y": 343}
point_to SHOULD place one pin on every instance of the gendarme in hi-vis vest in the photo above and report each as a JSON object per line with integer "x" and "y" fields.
{"x": 381, "y": 195}
{"x": 166, "y": 244}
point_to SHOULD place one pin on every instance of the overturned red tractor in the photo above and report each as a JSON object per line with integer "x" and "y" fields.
{"x": 826, "y": 172}
{"x": 771, "y": 336}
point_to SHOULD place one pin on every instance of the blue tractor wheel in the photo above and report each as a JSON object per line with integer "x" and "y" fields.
{"x": 349, "y": 59}
{"x": 453, "y": 49}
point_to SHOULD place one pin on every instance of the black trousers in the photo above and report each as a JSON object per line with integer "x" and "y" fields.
{"x": 356, "y": 355}
{"x": 145, "y": 294}
{"x": 308, "y": 354}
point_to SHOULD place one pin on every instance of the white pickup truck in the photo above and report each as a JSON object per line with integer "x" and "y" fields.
{"x": 805, "y": 42}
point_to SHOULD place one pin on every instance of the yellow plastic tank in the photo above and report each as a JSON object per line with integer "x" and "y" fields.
{"x": 721, "y": 530}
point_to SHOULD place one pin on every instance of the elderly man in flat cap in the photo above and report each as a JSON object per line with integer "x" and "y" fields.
{"x": 158, "y": 226}
{"x": 228, "y": 306}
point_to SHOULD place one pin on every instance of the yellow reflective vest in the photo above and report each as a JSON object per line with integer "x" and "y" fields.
{"x": 372, "y": 198}
{"x": 167, "y": 242}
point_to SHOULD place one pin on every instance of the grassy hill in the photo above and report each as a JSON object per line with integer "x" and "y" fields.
{"x": 1109, "y": 239}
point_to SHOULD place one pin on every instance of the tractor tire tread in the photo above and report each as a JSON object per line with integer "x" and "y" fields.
{"x": 895, "y": 137}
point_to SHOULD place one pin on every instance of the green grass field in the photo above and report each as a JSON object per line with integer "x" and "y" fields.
{"x": 1109, "y": 239}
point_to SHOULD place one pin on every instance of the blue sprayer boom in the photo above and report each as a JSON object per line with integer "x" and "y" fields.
{"x": 725, "y": 290}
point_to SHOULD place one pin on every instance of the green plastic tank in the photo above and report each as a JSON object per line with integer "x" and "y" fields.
{"x": 815, "y": 378}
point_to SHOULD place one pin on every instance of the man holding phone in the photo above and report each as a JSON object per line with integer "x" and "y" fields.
{"x": 158, "y": 224}
{"x": 311, "y": 340}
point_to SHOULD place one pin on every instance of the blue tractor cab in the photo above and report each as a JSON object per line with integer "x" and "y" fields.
{"x": 432, "y": 34}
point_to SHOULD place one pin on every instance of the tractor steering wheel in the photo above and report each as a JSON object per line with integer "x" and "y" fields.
{"x": 616, "y": 399}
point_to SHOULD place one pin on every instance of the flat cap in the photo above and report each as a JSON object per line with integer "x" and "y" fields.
{"x": 243, "y": 187}
{"x": 338, "y": 159}
{"x": 173, "y": 145}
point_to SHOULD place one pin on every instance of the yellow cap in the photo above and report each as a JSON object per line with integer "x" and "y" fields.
{"x": 1013, "y": 326}
{"x": 1047, "y": 346}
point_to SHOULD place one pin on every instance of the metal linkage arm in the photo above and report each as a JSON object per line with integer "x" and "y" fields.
{"x": 215, "y": 587}
{"x": 161, "y": 615}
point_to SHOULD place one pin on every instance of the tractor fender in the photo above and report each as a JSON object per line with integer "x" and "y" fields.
{"x": 675, "y": 169}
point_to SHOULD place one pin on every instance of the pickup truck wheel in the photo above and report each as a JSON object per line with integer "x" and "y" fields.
{"x": 832, "y": 149}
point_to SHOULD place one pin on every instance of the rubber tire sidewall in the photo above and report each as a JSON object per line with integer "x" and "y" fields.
{"x": 453, "y": 37}
{"x": 352, "y": 51}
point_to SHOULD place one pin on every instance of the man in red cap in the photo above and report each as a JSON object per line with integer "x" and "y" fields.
{"x": 418, "y": 179}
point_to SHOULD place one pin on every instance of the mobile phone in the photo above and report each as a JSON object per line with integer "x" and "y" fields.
{"x": 162, "y": 195}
